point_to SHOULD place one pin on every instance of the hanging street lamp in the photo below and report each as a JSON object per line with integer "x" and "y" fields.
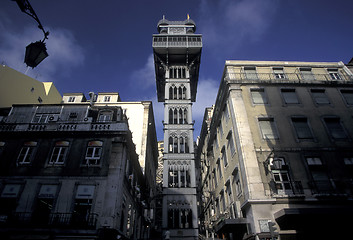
{"x": 35, "y": 52}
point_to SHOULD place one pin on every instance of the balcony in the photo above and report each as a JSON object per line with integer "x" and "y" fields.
{"x": 332, "y": 187}
{"x": 59, "y": 220}
{"x": 174, "y": 42}
{"x": 287, "y": 78}
{"x": 60, "y": 126}
{"x": 286, "y": 189}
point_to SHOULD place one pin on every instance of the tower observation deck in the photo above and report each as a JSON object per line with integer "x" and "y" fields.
{"x": 176, "y": 44}
{"x": 177, "y": 54}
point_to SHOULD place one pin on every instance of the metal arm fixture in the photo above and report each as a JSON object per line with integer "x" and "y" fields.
{"x": 35, "y": 52}
{"x": 26, "y": 7}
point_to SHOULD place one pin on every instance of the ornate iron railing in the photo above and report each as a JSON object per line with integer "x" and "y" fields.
{"x": 342, "y": 77}
{"x": 67, "y": 220}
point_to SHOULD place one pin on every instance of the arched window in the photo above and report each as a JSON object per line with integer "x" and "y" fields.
{"x": 175, "y": 95}
{"x": 183, "y": 73}
{"x": 175, "y": 117}
{"x": 180, "y": 116}
{"x": 180, "y": 93}
{"x": 185, "y": 115}
{"x": 183, "y": 95}
{"x": 170, "y": 116}
{"x": 186, "y": 145}
{"x": 170, "y": 145}
{"x": 170, "y": 92}
{"x": 179, "y": 72}
{"x": 182, "y": 145}
{"x": 175, "y": 143}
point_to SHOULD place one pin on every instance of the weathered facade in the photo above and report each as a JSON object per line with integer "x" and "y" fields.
{"x": 71, "y": 170}
{"x": 177, "y": 53}
{"x": 277, "y": 154}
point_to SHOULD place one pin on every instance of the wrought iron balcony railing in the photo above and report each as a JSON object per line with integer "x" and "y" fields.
{"x": 177, "y": 41}
{"x": 342, "y": 77}
{"x": 67, "y": 220}
{"x": 288, "y": 188}
{"x": 332, "y": 187}
{"x": 60, "y": 126}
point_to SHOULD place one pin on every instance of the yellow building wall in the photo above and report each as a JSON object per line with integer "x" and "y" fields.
{"x": 17, "y": 88}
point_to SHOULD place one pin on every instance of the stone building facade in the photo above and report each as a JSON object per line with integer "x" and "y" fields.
{"x": 71, "y": 170}
{"x": 276, "y": 152}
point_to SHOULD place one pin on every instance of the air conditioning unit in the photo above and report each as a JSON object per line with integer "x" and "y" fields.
{"x": 53, "y": 118}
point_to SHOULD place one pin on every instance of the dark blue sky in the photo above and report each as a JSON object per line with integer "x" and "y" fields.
{"x": 105, "y": 46}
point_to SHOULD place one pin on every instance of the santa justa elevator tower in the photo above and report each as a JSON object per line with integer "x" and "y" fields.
{"x": 177, "y": 54}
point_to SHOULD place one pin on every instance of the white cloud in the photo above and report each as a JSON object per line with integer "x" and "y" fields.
{"x": 206, "y": 96}
{"x": 229, "y": 22}
{"x": 64, "y": 51}
{"x": 145, "y": 75}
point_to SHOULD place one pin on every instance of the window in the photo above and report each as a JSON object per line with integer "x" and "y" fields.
{"x": 224, "y": 157}
{"x": 282, "y": 181}
{"x": 258, "y": 96}
{"x": 333, "y": 72}
{"x": 230, "y": 144}
{"x": 320, "y": 180}
{"x": 26, "y": 153}
{"x": 215, "y": 178}
{"x": 236, "y": 180}
{"x": 105, "y": 116}
{"x": 177, "y": 72}
{"x": 301, "y": 127}
{"x": 178, "y": 116}
{"x": 93, "y": 153}
{"x": 268, "y": 128}
{"x": 179, "y": 217}
{"x": 319, "y": 96}
{"x": 219, "y": 169}
{"x": 44, "y": 204}
{"x": 44, "y": 118}
{"x": 59, "y": 153}
{"x": 250, "y": 73}
{"x": 348, "y": 161}
{"x": 223, "y": 200}
{"x": 179, "y": 176}
{"x": 279, "y": 73}
{"x": 335, "y": 128}
{"x": 71, "y": 99}
{"x": 226, "y": 113}
{"x": 82, "y": 206}
{"x": 289, "y": 96}
{"x": 307, "y": 74}
{"x": 8, "y": 200}
{"x": 106, "y": 98}
{"x": 220, "y": 129}
{"x": 347, "y": 96}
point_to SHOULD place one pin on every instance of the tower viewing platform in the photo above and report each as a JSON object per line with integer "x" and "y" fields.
{"x": 176, "y": 43}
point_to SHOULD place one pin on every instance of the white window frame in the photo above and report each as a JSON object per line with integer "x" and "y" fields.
{"x": 93, "y": 159}
{"x": 334, "y": 74}
{"x": 278, "y": 72}
{"x": 25, "y": 155}
{"x": 258, "y": 96}
{"x": 60, "y": 156}
{"x": 272, "y": 125}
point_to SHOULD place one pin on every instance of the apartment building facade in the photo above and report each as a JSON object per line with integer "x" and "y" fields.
{"x": 71, "y": 170}
{"x": 276, "y": 155}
